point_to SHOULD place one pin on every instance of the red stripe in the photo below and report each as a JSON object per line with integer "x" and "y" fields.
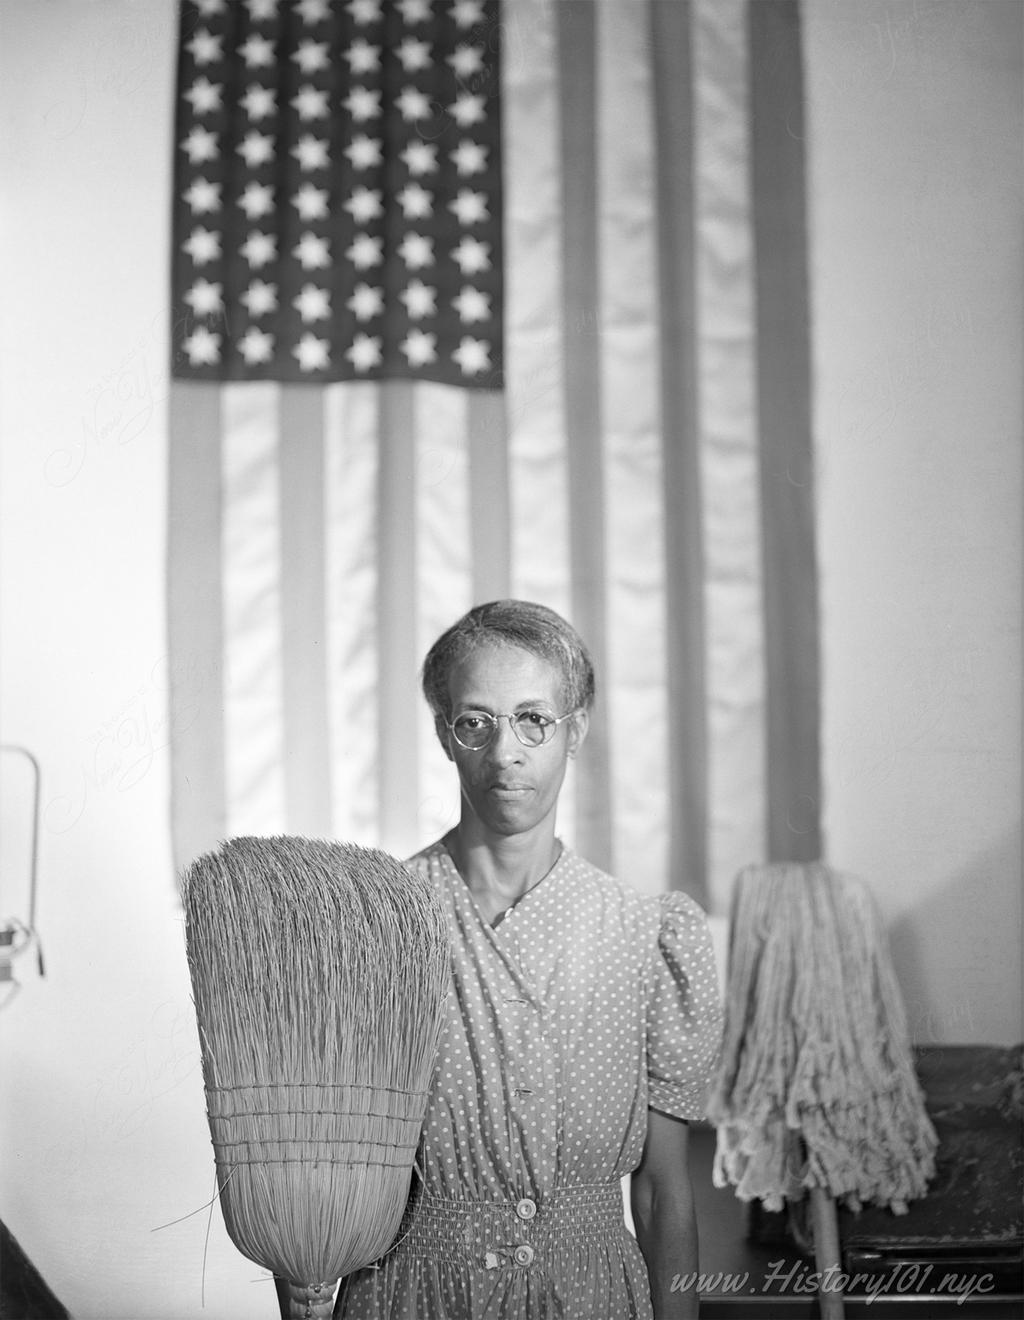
{"x": 784, "y": 407}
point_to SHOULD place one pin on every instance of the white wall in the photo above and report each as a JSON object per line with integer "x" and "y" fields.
{"x": 915, "y": 117}
{"x": 103, "y": 1135}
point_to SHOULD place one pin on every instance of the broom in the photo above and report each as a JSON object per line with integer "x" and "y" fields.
{"x": 319, "y": 973}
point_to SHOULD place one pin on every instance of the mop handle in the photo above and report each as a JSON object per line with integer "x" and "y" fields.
{"x": 301, "y": 1301}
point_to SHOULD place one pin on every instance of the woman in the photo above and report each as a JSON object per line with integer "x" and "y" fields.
{"x": 582, "y": 1024}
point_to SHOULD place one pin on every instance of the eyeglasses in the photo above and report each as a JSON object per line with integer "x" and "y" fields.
{"x": 474, "y": 729}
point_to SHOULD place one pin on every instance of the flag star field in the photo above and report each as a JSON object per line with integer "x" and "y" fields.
{"x": 337, "y": 203}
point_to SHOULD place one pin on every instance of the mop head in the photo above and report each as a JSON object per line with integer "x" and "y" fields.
{"x": 817, "y": 1084}
{"x": 319, "y": 972}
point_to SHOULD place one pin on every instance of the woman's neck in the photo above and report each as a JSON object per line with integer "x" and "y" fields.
{"x": 499, "y": 871}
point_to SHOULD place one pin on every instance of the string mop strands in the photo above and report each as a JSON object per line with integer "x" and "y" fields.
{"x": 816, "y": 1087}
{"x": 319, "y": 973}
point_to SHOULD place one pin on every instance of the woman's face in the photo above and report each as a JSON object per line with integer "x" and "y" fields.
{"x": 507, "y": 787}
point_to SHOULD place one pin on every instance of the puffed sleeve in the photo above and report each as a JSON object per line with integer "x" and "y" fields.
{"x": 684, "y": 1015}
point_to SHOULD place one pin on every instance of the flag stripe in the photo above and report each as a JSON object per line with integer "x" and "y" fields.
{"x": 729, "y": 445}
{"x": 253, "y": 685}
{"x": 350, "y": 552}
{"x": 444, "y": 573}
{"x": 583, "y": 425}
{"x": 635, "y": 648}
{"x": 489, "y": 495}
{"x": 307, "y": 759}
{"x": 538, "y": 480}
{"x": 685, "y": 691}
{"x": 195, "y": 621}
{"x": 398, "y": 714}
{"x": 538, "y": 466}
{"x": 784, "y": 404}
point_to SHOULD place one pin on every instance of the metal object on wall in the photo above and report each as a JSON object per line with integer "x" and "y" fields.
{"x": 17, "y": 936}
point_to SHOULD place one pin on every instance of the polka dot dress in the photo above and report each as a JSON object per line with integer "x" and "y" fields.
{"x": 586, "y": 1003}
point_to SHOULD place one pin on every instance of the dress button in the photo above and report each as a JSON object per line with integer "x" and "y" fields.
{"x": 523, "y": 1255}
{"x": 526, "y": 1209}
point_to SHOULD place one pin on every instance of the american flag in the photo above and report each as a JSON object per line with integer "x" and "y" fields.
{"x": 475, "y": 299}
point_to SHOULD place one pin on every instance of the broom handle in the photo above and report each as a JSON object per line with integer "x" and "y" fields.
{"x": 299, "y": 1301}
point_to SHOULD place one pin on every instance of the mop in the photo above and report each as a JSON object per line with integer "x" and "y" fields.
{"x": 816, "y": 1092}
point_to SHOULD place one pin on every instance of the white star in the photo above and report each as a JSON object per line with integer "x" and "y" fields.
{"x": 466, "y": 61}
{"x": 258, "y": 52}
{"x": 469, "y": 157}
{"x": 204, "y": 96}
{"x": 365, "y": 352}
{"x": 469, "y": 207}
{"x": 467, "y": 110}
{"x": 257, "y": 148}
{"x": 310, "y": 103}
{"x": 205, "y": 47}
{"x": 259, "y": 249}
{"x": 259, "y": 102}
{"x": 260, "y": 298}
{"x": 365, "y": 205}
{"x": 413, "y": 104}
{"x": 311, "y": 56}
{"x": 419, "y": 347}
{"x": 311, "y": 153}
{"x": 415, "y": 11}
{"x": 362, "y": 57}
{"x": 313, "y": 252}
{"x": 414, "y": 54}
{"x": 365, "y": 251}
{"x": 203, "y": 196}
{"x": 210, "y": 7}
{"x": 364, "y": 11}
{"x": 256, "y": 345}
{"x": 364, "y": 152}
{"x": 472, "y": 305}
{"x": 313, "y": 11}
{"x": 257, "y": 200}
{"x": 204, "y": 298}
{"x": 262, "y": 11}
{"x": 363, "y": 103}
{"x": 472, "y": 255}
{"x": 367, "y": 301}
{"x": 202, "y": 347}
{"x": 417, "y": 202}
{"x": 313, "y": 304}
{"x": 416, "y": 251}
{"x": 312, "y": 352}
{"x": 311, "y": 202}
{"x": 467, "y": 12}
{"x": 202, "y": 245}
{"x": 420, "y": 299}
{"x": 201, "y": 145}
{"x": 420, "y": 157}
{"x": 472, "y": 355}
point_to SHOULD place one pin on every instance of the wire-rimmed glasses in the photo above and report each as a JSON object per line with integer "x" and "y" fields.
{"x": 474, "y": 729}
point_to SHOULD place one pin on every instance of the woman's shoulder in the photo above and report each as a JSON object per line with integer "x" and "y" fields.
{"x": 429, "y": 860}
{"x": 597, "y": 886}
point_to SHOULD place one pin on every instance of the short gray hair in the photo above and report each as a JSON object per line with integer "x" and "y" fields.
{"x": 521, "y": 623}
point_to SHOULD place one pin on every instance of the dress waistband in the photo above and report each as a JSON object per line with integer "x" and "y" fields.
{"x": 502, "y": 1234}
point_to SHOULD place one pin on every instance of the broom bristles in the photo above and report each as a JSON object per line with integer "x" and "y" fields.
{"x": 319, "y": 973}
